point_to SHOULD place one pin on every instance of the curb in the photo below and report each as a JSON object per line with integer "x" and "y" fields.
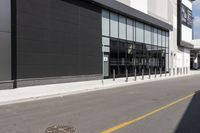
{"x": 98, "y": 88}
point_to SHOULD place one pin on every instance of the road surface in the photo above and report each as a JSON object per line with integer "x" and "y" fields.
{"x": 168, "y": 106}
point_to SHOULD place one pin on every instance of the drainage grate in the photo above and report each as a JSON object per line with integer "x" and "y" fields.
{"x": 60, "y": 129}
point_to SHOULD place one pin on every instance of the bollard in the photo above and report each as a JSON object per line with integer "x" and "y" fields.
{"x": 174, "y": 71}
{"x": 155, "y": 72}
{"x": 180, "y": 71}
{"x": 126, "y": 75}
{"x": 113, "y": 74}
{"x": 165, "y": 73}
{"x": 149, "y": 73}
{"x": 184, "y": 70}
{"x": 135, "y": 75}
{"x": 177, "y": 71}
{"x": 169, "y": 71}
{"x": 160, "y": 72}
{"x": 142, "y": 74}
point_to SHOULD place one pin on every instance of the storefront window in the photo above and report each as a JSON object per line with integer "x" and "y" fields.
{"x": 159, "y": 38}
{"x": 163, "y": 39}
{"x": 105, "y": 23}
{"x": 130, "y": 30}
{"x": 122, "y": 27}
{"x": 155, "y": 36}
{"x": 114, "y": 25}
{"x": 139, "y": 32}
{"x": 133, "y": 45}
{"x": 147, "y": 34}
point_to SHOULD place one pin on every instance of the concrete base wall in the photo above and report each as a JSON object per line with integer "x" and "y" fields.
{"x": 6, "y": 85}
{"x": 56, "y": 80}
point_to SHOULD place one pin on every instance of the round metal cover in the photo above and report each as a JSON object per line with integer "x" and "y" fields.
{"x": 60, "y": 129}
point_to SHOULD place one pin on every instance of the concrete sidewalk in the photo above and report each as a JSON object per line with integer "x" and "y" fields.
{"x": 58, "y": 90}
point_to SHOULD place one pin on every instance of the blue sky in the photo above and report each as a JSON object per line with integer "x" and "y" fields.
{"x": 196, "y": 14}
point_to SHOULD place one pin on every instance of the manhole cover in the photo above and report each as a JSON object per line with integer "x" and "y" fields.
{"x": 60, "y": 129}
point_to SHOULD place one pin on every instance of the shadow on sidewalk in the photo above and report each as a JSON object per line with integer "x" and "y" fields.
{"x": 190, "y": 122}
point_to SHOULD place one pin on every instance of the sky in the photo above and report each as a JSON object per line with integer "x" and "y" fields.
{"x": 196, "y": 14}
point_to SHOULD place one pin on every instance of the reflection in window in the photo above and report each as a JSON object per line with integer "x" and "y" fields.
{"x": 139, "y": 32}
{"x": 147, "y": 34}
{"x": 155, "y": 36}
{"x": 140, "y": 46}
{"x": 167, "y": 39}
{"x": 159, "y": 38}
{"x": 163, "y": 39}
{"x": 114, "y": 25}
{"x": 122, "y": 27}
{"x": 130, "y": 30}
{"x": 105, "y": 23}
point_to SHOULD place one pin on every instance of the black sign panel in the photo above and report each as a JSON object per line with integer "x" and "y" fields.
{"x": 186, "y": 15}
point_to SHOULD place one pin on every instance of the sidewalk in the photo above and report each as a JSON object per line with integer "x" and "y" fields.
{"x": 58, "y": 90}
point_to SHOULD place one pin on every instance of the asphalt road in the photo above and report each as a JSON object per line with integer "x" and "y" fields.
{"x": 95, "y": 112}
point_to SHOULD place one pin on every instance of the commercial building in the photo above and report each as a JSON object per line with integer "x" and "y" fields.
{"x": 54, "y": 41}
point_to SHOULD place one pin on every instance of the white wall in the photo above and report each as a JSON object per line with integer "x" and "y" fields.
{"x": 179, "y": 59}
{"x": 186, "y": 33}
{"x": 186, "y": 56}
{"x": 159, "y": 9}
{"x": 175, "y": 21}
{"x": 141, "y": 5}
{"x": 183, "y": 58}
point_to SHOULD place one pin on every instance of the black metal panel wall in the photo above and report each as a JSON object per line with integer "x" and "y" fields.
{"x": 58, "y": 38}
{"x": 5, "y": 40}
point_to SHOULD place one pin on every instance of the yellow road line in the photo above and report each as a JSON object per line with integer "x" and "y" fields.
{"x": 122, "y": 125}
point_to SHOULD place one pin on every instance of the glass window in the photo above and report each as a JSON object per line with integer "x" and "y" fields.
{"x": 167, "y": 39}
{"x": 122, "y": 27}
{"x": 105, "y": 23}
{"x": 129, "y": 30}
{"x": 163, "y": 39}
{"x": 147, "y": 34}
{"x": 139, "y": 32}
{"x": 159, "y": 38}
{"x": 114, "y": 25}
{"x": 155, "y": 36}
{"x": 106, "y": 41}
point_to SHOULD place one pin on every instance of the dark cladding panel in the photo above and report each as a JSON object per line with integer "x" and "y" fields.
{"x": 5, "y": 16}
{"x": 5, "y": 56}
{"x": 5, "y": 40}
{"x": 58, "y": 38}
